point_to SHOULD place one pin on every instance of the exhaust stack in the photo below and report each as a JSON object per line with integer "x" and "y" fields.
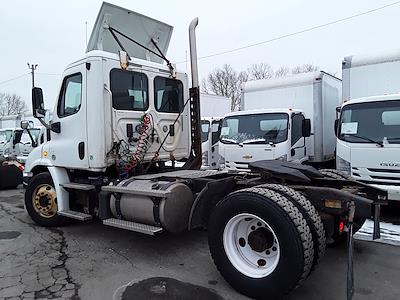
{"x": 193, "y": 52}
{"x": 194, "y": 161}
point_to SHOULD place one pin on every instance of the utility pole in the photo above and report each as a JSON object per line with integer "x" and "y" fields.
{"x": 32, "y": 68}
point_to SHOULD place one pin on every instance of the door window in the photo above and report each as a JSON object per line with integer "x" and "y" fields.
{"x": 297, "y": 127}
{"x": 129, "y": 90}
{"x": 168, "y": 95}
{"x": 70, "y": 98}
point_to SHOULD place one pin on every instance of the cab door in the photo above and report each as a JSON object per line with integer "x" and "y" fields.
{"x": 68, "y": 148}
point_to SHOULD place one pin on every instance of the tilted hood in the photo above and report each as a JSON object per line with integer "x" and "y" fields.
{"x": 138, "y": 27}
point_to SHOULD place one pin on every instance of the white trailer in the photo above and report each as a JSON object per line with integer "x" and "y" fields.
{"x": 368, "y": 144}
{"x": 213, "y": 108}
{"x": 120, "y": 117}
{"x": 274, "y": 111}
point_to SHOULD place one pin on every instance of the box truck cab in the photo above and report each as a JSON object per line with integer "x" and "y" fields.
{"x": 210, "y": 132}
{"x": 30, "y": 140}
{"x": 9, "y": 139}
{"x": 268, "y": 134}
{"x": 273, "y": 117}
{"x": 369, "y": 126}
{"x": 368, "y": 145}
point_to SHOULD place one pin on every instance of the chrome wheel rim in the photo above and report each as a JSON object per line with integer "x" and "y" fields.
{"x": 251, "y": 245}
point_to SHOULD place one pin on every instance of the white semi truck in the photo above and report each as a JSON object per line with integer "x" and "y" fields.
{"x": 287, "y": 119}
{"x": 368, "y": 143}
{"x": 122, "y": 113}
{"x": 213, "y": 108}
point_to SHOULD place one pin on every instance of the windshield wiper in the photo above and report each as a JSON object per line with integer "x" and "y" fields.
{"x": 228, "y": 141}
{"x": 253, "y": 142}
{"x": 366, "y": 139}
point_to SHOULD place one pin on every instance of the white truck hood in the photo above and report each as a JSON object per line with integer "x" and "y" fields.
{"x": 138, "y": 27}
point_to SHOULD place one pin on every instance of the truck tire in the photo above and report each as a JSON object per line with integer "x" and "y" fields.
{"x": 41, "y": 201}
{"x": 335, "y": 174}
{"x": 311, "y": 215}
{"x": 260, "y": 243}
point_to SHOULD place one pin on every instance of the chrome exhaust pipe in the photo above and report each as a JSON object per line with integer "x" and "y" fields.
{"x": 193, "y": 52}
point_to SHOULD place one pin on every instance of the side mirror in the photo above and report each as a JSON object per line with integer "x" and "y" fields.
{"x": 37, "y": 103}
{"x": 17, "y": 136}
{"x": 306, "y": 128}
{"x": 335, "y": 127}
{"x": 24, "y": 124}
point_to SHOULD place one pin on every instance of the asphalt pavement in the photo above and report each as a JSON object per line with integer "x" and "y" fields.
{"x": 92, "y": 261}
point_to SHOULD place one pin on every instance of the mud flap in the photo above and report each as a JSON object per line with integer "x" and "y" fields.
{"x": 350, "y": 252}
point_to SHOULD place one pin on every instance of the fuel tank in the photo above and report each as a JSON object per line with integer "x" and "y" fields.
{"x": 169, "y": 209}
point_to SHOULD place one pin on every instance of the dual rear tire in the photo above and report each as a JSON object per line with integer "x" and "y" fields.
{"x": 265, "y": 240}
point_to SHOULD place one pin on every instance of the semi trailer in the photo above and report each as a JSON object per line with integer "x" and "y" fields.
{"x": 285, "y": 118}
{"x": 122, "y": 113}
{"x": 368, "y": 136}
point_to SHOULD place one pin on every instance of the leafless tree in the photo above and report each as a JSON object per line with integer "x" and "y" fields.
{"x": 305, "y": 69}
{"x": 225, "y": 81}
{"x": 282, "y": 72}
{"x": 260, "y": 71}
{"x": 11, "y": 104}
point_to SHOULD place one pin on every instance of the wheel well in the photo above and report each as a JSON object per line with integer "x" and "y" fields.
{"x": 39, "y": 169}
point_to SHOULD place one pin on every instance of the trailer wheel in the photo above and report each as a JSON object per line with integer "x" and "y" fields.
{"x": 260, "y": 243}
{"x": 311, "y": 215}
{"x": 41, "y": 201}
{"x": 335, "y": 174}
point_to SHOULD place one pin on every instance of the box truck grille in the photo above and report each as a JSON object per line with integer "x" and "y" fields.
{"x": 383, "y": 171}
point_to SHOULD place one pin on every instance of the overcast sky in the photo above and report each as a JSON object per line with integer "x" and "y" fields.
{"x": 52, "y": 34}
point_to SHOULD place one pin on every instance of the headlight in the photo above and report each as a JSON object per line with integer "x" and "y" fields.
{"x": 342, "y": 165}
{"x": 204, "y": 159}
{"x": 282, "y": 158}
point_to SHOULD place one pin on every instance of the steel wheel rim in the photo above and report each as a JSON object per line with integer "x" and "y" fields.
{"x": 249, "y": 256}
{"x": 44, "y": 200}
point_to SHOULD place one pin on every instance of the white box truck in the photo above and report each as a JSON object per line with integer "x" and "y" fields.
{"x": 111, "y": 137}
{"x": 273, "y": 116}
{"x": 213, "y": 108}
{"x": 368, "y": 144}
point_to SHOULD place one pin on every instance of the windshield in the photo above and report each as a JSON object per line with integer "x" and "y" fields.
{"x": 258, "y": 128}
{"x": 205, "y": 125}
{"x": 5, "y": 136}
{"x": 25, "y": 139}
{"x": 371, "y": 122}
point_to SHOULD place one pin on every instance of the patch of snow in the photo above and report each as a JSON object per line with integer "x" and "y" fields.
{"x": 390, "y": 234}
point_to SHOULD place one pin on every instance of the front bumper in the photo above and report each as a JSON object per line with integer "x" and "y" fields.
{"x": 392, "y": 190}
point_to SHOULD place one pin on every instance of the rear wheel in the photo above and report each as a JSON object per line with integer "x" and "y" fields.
{"x": 41, "y": 201}
{"x": 260, "y": 243}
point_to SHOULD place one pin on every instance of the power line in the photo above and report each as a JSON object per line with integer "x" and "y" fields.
{"x": 15, "y": 78}
{"x": 48, "y": 74}
{"x": 298, "y": 32}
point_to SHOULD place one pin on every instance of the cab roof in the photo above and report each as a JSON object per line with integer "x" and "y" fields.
{"x": 373, "y": 99}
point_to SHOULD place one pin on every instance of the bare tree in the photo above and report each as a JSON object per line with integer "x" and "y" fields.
{"x": 260, "y": 71}
{"x": 282, "y": 72}
{"x": 11, "y": 104}
{"x": 305, "y": 69}
{"x": 225, "y": 81}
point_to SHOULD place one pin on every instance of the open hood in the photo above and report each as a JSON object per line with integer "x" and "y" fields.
{"x": 138, "y": 27}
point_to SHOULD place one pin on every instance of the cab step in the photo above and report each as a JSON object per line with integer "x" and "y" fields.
{"x": 132, "y": 226}
{"x": 75, "y": 215}
{"x": 78, "y": 186}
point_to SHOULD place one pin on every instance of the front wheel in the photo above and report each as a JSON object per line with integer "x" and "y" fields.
{"x": 41, "y": 201}
{"x": 260, "y": 243}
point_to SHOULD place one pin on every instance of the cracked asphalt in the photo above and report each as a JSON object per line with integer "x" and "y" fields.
{"x": 92, "y": 261}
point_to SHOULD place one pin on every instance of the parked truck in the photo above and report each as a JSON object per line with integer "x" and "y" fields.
{"x": 110, "y": 137}
{"x": 368, "y": 143}
{"x": 290, "y": 119}
{"x": 213, "y": 108}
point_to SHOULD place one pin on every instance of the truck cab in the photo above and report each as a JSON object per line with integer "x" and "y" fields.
{"x": 267, "y": 134}
{"x": 210, "y": 132}
{"x": 368, "y": 144}
{"x": 9, "y": 139}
